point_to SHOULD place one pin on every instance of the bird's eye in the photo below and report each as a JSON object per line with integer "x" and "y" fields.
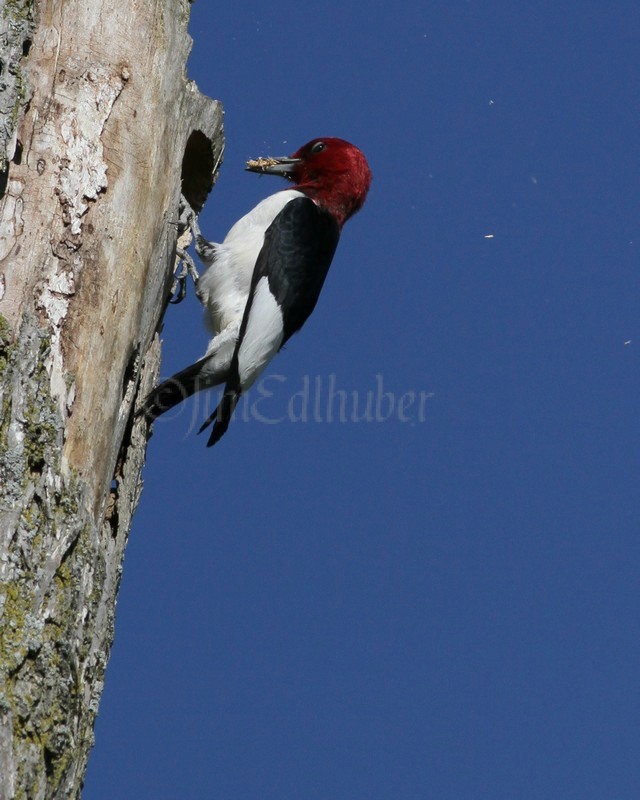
{"x": 318, "y": 147}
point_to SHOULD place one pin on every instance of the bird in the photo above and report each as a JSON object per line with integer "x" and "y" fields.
{"x": 264, "y": 279}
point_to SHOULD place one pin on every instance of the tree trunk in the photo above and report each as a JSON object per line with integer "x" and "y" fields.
{"x": 98, "y": 127}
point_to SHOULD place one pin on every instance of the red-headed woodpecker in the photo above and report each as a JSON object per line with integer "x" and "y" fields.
{"x": 263, "y": 281}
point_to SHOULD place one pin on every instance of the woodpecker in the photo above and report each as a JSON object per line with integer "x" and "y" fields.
{"x": 263, "y": 281}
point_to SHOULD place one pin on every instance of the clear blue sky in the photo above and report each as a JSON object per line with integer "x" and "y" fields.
{"x": 447, "y": 605}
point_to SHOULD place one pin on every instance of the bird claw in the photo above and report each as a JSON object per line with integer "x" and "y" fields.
{"x": 187, "y": 222}
{"x": 186, "y": 269}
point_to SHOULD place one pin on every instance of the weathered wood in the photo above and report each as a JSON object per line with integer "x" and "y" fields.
{"x": 99, "y": 125}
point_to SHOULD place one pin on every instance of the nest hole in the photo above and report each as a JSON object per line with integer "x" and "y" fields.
{"x": 198, "y": 165}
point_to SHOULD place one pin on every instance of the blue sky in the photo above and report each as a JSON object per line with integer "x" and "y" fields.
{"x": 442, "y": 604}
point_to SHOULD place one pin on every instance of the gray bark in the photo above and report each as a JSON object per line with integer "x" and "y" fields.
{"x": 99, "y": 132}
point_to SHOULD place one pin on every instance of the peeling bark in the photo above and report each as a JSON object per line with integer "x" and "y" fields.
{"x": 100, "y": 131}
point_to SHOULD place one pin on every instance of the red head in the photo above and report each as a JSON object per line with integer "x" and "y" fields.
{"x": 330, "y": 171}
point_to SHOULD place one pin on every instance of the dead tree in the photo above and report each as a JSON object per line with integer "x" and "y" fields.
{"x": 100, "y": 133}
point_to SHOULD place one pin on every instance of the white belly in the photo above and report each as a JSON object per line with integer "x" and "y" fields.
{"x": 224, "y": 287}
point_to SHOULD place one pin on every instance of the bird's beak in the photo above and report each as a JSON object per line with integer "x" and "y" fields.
{"x": 284, "y": 166}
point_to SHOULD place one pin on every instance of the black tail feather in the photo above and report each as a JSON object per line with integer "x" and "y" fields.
{"x": 176, "y": 389}
{"x": 221, "y": 417}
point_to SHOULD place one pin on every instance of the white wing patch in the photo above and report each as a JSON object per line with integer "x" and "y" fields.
{"x": 262, "y": 337}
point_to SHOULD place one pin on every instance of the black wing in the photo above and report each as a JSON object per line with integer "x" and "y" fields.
{"x": 296, "y": 256}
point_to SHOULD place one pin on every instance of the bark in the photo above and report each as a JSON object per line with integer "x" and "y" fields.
{"x": 100, "y": 131}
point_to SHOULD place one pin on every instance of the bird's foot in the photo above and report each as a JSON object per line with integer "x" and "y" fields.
{"x": 186, "y": 269}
